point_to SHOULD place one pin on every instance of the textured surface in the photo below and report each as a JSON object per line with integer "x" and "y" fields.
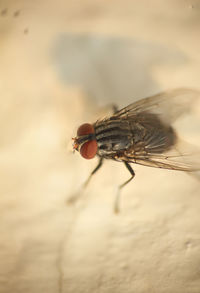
{"x": 61, "y": 62}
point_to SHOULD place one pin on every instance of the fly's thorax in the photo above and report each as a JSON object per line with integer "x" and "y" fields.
{"x": 112, "y": 137}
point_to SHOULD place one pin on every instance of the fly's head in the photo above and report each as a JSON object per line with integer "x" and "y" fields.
{"x": 85, "y": 142}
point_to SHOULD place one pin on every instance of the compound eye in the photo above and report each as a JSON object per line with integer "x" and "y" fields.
{"x": 84, "y": 129}
{"x": 89, "y": 149}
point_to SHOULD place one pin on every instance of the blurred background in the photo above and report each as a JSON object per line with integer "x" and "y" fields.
{"x": 62, "y": 63}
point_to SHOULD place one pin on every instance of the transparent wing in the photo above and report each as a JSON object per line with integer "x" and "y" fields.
{"x": 182, "y": 156}
{"x": 168, "y": 105}
{"x": 160, "y": 146}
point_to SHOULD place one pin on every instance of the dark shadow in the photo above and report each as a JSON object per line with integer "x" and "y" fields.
{"x": 110, "y": 68}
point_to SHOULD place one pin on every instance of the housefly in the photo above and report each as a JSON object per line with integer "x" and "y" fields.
{"x": 142, "y": 133}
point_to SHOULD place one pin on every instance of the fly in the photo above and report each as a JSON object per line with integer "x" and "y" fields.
{"x": 142, "y": 133}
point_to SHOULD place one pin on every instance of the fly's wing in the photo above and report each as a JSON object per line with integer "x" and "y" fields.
{"x": 152, "y": 149}
{"x": 182, "y": 156}
{"x": 168, "y": 105}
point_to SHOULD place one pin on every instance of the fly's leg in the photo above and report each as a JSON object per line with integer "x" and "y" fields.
{"x": 128, "y": 166}
{"x": 117, "y": 199}
{"x": 76, "y": 196}
{"x": 93, "y": 172}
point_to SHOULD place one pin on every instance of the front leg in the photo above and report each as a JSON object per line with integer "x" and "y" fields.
{"x": 94, "y": 171}
{"x": 77, "y": 195}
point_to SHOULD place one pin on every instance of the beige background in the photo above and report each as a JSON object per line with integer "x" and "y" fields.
{"x": 61, "y": 63}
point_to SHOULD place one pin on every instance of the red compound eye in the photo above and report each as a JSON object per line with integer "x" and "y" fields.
{"x": 85, "y": 128}
{"x": 88, "y": 149}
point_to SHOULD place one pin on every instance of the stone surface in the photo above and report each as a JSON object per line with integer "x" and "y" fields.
{"x": 61, "y": 64}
